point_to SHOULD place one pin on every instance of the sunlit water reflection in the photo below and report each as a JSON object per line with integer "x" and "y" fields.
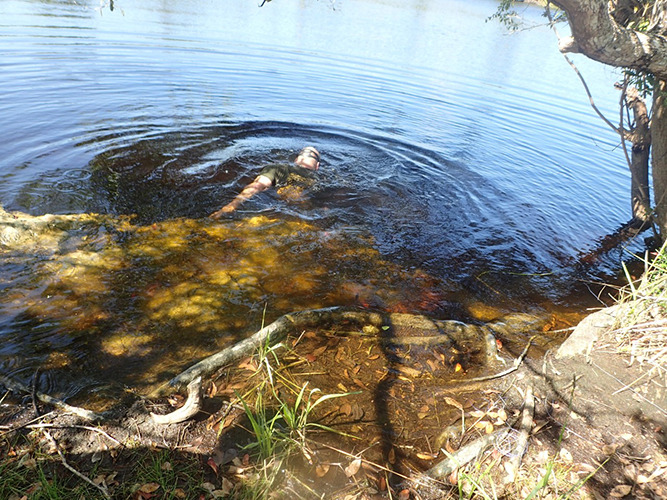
{"x": 460, "y": 166}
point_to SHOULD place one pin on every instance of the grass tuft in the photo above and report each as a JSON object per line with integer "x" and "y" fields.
{"x": 642, "y": 332}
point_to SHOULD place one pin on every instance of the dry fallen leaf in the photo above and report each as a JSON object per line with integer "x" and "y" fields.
{"x": 565, "y": 456}
{"x": 149, "y": 487}
{"x": 227, "y": 486}
{"x": 353, "y": 468}
{"x": 391, "y": 456}
{"x": 620, "y": 491}
{"x": 212, "y": 390}
{"x": 453, "y": 402}
{"x": 409, "y": 371}
{"x": 345, "y": 409}
{"x": 322, "y": 469}
{"x": 610, "y": 449}
{"x": 359, "y": 383}
{"x": 426, "y": 456}
{"x": 211, "y": 463}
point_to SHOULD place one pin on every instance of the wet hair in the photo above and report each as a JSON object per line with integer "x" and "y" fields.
{"x": 310, "y": 152}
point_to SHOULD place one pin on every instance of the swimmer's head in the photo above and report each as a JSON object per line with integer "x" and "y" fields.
{"x": 309, "y": 158}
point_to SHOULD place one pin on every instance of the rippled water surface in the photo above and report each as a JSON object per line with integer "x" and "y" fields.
{"x": 466, "y": 158}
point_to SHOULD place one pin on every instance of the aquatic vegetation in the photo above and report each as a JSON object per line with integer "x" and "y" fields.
{"x": 110, "y": 295}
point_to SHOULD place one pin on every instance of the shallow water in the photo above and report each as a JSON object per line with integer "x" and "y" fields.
{"x": 465, "y": 162}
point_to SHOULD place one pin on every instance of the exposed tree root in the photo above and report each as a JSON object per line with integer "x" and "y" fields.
{"x": 463, "y": 456}
{"x": 526, "y": 425}
{"x": 189, "y": 409}
{"x": 280, "y": 328}
{"x": 387, "y": 327}
{"x": 513, "y": 368}
{"x": 269, "y": 335}
{"x": 433, "y": 478}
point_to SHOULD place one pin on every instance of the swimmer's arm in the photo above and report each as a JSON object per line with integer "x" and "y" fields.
{"x": 261, "y": 183}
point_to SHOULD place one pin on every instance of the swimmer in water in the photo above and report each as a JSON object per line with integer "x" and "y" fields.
{"x": 306, "y": 163}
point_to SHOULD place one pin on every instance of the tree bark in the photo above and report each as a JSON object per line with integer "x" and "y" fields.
{"x": 599, "y": 33}
{"x": 639, "y": 159}
{"x": 601, "y": 38}
{"x": 659, "y": 162}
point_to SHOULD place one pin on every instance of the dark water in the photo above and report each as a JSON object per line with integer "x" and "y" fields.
{"x": 460, "y": 150}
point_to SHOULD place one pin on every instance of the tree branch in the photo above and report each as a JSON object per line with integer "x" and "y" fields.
{"x": 601, "y": 38}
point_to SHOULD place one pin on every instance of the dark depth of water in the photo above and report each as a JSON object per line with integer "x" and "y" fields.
{"x": 462, "y": 150}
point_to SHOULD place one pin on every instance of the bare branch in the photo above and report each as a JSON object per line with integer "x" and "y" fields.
{"x": 578, "y": 73}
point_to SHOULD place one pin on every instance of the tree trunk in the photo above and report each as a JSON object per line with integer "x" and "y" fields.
{"x": 639, "y": 159}
{"x": 659, "y": 164}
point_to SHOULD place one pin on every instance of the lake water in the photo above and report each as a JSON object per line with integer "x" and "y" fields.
{"x": 458, "y": 149}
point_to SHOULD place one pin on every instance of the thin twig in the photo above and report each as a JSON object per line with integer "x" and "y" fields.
{"x": 662, "y": 410}
{"x": 513, "y": 368}
{"x": 17, "y": 386}
{"x": 623, "y": 105}
{"x": 86, "y": 427}
{"x": 9, "y": 429}
{"x": 583, "y": 81}
{"x": 54, "y": 443}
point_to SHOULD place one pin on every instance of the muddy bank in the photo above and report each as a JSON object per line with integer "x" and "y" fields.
{"x": 412, "y": 402}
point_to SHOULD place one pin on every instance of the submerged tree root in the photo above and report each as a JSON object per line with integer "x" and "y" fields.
{"x": 387, "y": 325}
{"x": 269, "y": 335}
{"x": 439, "y": 473}
{"x": 16, "y": 386}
